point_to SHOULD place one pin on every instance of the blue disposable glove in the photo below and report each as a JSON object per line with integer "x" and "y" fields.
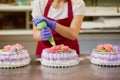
{"x": 46, "y": 33}
{"x": 51, "y": 24}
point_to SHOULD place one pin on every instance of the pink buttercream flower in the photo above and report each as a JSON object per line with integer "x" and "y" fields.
{"x": 7, "y": 47}
{"x": 108, "y": 44}
{"x": 65, "y": 48}
{"x": 59, "y": 48}
{"x": 105, "y": 47}
{"x": 13, "y": 48}
{"x": 100, "y": 47}
{"x": 16, "y": 48}
{"x": 19, "y": 46}
{"x": 108, "y": 47}
{"x": 52, "y": 49}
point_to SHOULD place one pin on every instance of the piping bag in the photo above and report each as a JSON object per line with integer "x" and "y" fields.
{"x": 40, "y": 26}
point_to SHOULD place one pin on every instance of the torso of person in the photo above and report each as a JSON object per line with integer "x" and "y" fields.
{"x": 63, "y": 20}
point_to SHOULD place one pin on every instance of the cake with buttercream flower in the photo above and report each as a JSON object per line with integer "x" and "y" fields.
{"x": 59, "y": 56}
{"x": 106, "y": 55}
{"x": 14, "y": 56}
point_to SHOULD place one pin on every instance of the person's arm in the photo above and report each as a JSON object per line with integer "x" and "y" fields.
{"x": 38, "y": 10}
{"x": 36, "y": 34}
{"x": 71, "y": 32}
{"x": 44, "y": 34}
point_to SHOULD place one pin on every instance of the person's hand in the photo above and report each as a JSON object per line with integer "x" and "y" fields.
{"x": 51, "y": 24}
{"x": 37, "y": 20}
{"x": 46, "y": 33}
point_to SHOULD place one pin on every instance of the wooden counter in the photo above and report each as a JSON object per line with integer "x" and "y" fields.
{"x": 84, "y": 71}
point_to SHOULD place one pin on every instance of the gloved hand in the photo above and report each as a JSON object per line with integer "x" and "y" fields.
{"x": 51, "y": 24}
{"x": 46, "y": 33}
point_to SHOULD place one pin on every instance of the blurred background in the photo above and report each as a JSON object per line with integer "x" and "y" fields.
{"x": 101, "y": 24}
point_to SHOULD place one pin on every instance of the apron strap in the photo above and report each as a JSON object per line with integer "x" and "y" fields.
{"x": 70, "y": 11}
{"x": 47, "y": 8}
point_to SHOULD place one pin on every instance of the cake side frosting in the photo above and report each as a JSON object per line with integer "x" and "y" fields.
{"x": 14, "y": 56}
{"x": 106, "y": 54}
{"x": 59, "y": 55}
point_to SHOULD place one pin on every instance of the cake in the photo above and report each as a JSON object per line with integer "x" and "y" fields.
{"x": 106, "y": 55}
{"x": 14, "y": 56}
{"x": 59, "y": 56}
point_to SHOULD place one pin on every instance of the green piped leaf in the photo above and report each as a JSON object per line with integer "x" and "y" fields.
{"x": 60, "y": 50}
{"x": 70, "y": 50}
{"x": 103, "y": 50}
{"x": 95, "y": 50}
{"x": 112, "y": 51}
{"x": 16, "y": 51}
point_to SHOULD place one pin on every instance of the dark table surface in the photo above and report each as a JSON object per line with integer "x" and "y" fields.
{"x": 84, "y": 71}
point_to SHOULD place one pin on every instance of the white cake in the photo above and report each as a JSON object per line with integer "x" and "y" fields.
{"x": 59, "y": 56}
{"x": 13, "y": 56}
{"x": 106, "y": 55}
